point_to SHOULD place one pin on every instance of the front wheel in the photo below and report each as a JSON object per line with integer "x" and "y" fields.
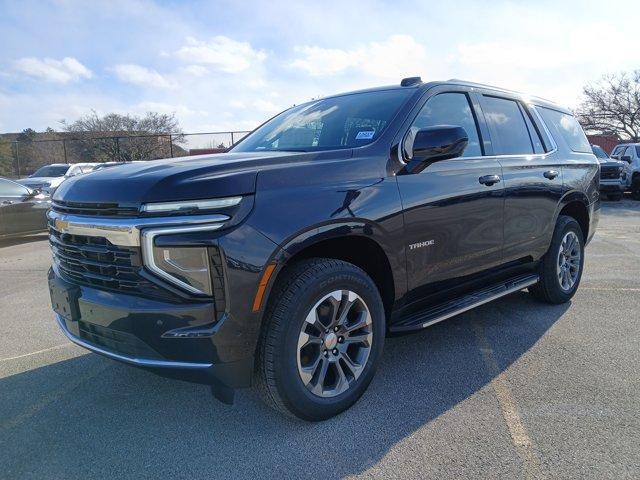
{"x": 561, "y": 267}
{"x": 322, "y": 339}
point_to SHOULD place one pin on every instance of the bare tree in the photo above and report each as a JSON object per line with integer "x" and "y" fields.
{"x": 116, "y": 137}
{"x": 612, "y": 106}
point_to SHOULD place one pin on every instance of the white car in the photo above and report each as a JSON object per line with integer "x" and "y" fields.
{"x": 630, "y": 153}
{"x": 49, "y": 177}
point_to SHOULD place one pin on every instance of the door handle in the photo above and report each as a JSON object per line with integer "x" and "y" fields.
{"x": 489, "y": 180}
{"x": 551, "y": 174}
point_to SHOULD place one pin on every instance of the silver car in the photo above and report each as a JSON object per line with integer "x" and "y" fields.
{"x": 49, "y": 177}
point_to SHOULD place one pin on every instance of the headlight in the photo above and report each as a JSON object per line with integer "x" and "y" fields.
{"x": 190, "y": 205}
{"x": 186, "y": 267}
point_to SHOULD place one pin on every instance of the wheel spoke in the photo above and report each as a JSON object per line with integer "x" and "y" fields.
{"x": 364, "y": 319}
{"x": 304, "y": 340}
{"x": 348, "y": 300}
{"x": 342, "y": 383}
{"x": 306, "y": 373}
{"x": 354, "y": 368}
{"x": 318, "y": 388}
{"x": 364, "y": 338}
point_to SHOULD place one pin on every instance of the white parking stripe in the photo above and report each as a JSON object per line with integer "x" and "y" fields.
{"x": 56, "y": 347}
{"x": 508, "y": 407}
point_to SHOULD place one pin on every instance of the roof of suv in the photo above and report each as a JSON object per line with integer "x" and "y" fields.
{"x": 420, "y": 85}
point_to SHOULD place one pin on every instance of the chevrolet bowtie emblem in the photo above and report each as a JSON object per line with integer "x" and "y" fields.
{"x": 61, "y": 225}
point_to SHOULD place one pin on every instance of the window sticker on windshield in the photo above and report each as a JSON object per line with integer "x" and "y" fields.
{"x": 365, "y": 135}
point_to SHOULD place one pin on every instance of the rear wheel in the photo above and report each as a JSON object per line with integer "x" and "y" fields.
{"x": 322, "y": 339}
{"x": 561, "y": 268}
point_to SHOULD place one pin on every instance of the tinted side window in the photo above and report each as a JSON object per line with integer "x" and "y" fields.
{"x": 617, "y": 150}
{"x": 11, "y": 189}
{"x": 568, "y": 128}
{"x": 507, "y": 123}
{"x": 451, "y": 109}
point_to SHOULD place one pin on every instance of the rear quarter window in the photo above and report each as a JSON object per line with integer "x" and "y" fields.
{"x": 567, "y": 127}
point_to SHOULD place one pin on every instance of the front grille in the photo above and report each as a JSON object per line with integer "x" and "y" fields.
{"x": 609, "y": 173}
{"x": 115, "y": 340}
{"x": 95, "y": 209}
{"x": 96, "y": 262}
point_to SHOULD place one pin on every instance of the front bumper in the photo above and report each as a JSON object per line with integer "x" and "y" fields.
{"x": 176, "y": 340}
{"x": 612, "y": 185}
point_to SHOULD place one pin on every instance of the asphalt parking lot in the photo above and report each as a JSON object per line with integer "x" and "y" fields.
{"x": 512, "y": 389}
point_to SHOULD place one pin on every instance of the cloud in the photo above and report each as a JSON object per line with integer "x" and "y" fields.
{"x": 139, "y": 75}
{"x": 222, "y": 53}
{"x": 57, "y": 71}
{"x": 196, "y": 70}
{"x": 387, "y": 59}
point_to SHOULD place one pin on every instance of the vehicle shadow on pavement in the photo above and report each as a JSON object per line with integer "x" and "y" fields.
{"x": 10, "y": 242}
{"x": 92, "y": 417}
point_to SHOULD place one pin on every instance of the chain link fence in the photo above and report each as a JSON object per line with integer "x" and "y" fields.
{"x": 22, "y": 158}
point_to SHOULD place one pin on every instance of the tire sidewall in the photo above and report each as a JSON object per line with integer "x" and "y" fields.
{"x": 293, "y": 392}
{"x": 566, "y": 225}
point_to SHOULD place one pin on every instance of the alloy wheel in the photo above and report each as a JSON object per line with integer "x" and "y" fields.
{"x": 568, "y": 265}
{"x": 334, "y": 343}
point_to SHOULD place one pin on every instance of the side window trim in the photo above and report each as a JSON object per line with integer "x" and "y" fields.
{"x": 533, "y": 129}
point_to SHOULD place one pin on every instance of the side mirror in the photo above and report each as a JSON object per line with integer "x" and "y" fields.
{"x": 432, "y": 144}
{"x": 626, "y": 158}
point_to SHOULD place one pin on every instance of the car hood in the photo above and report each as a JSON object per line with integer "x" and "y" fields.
{"x": 185, "y": 178}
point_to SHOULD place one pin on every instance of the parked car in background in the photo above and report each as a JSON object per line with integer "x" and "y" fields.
{"x": 630, "y": 154}
{"x": 22, "y": 209}
{"x": 613, "y": 174}
{"x": 49, "y": 177}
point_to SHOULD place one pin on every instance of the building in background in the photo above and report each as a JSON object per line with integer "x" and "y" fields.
{"x": 606, "y": 142}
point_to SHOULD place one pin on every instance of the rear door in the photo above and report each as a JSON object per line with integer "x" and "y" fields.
{"x": 532, "y": 176}
{"x": 453, "y": 221}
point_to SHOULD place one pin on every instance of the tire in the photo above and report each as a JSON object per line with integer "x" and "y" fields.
{"x": 635, "y": 187}
{"x": 616, "y": 197}
{"x": 283, "y": 369}
{"x": 551, "y": 288}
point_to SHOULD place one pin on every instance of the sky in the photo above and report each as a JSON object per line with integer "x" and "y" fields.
{"x": 229, "y": 65}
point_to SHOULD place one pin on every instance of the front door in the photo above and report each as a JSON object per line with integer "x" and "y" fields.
{"x": 453, "y": 212}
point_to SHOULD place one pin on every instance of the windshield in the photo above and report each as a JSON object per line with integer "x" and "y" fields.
{"x": 599, "y": 152}
{"x": 51, "y": 171}
{"x": 346, "y": 121}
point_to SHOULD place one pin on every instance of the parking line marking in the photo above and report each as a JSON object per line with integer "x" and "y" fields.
{"x": 56, "y": 347}
{"x": 508, "y": 407}
{"x": 611, "y": 289}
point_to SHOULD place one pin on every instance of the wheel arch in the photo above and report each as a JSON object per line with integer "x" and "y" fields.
{"x": 576, "y": 205}
{"x": 358, "y": 243}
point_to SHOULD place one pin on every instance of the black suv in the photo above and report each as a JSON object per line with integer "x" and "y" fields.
{"x": 285, "y": 262}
